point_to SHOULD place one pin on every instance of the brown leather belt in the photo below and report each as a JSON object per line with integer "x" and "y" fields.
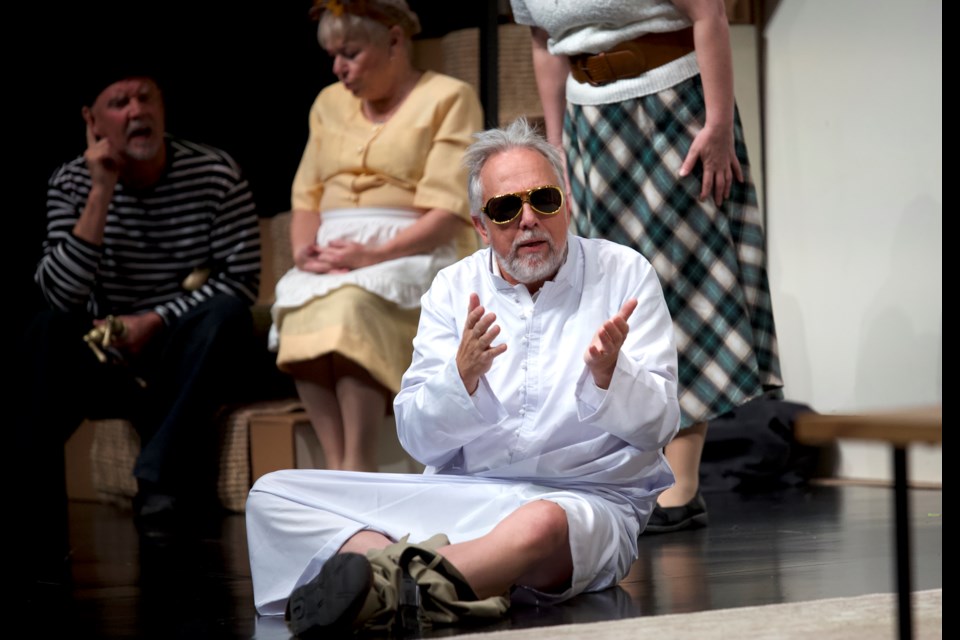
{"x": 632, "y": 58}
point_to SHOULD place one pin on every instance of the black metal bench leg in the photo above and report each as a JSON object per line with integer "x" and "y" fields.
{"x": 903, "y": 543}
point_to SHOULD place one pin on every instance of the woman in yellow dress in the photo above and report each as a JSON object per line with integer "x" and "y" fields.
{"x": 379, "y": 206}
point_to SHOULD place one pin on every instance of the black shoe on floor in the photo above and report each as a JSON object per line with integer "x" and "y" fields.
{"x": 155, "y": 516}
{"x": 689, "y": 516}
{"x": 327, "y": 606}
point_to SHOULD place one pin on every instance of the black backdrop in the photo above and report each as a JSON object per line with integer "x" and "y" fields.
{"x": 237, "y": 75}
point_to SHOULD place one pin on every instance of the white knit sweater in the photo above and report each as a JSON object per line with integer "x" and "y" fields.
{"x": 579, "y": 26}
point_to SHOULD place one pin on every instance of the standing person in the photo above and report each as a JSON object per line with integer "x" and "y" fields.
{"x": 640, "y": 97}
{"x": 379, "y": 206}
{"x": 541, "y": 392}
{"x": 161, "y": 235}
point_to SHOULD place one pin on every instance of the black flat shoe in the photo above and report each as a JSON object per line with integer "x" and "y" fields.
{"x": 689, "y": 516}
{"x": 156, "y": 517}
{"x": 328, "y": 605}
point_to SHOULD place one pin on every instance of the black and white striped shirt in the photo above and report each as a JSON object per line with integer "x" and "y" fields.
{"x": 200, "y": 214}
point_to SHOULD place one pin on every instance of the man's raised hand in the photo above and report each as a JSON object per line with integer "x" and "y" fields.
{"x": 103, "y": 161}
{"x": 475, "y": 354}
{"x": 601, "y": 355}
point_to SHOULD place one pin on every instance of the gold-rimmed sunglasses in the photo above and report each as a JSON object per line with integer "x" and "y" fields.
{"x": 546, "y": 200}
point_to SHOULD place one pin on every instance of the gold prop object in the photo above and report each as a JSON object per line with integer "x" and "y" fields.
{"x": 196, "y": 279}
{"x": 100, "y": 339}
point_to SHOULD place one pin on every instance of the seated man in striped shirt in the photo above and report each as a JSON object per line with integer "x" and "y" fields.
{"x": 159, "y": 234}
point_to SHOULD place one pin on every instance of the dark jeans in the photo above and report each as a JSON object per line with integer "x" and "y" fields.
{"x": 191, "y": 368}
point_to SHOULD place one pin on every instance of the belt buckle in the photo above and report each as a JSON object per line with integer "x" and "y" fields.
{"x": 584, "y": 67}
{"x": 581, "y": 64}
{"x": 624, "y": 61}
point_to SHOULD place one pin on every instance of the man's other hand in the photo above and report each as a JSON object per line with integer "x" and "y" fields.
{"x": 138, "y": 330}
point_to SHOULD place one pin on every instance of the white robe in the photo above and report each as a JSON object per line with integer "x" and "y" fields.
{"x": 536, "y": 428}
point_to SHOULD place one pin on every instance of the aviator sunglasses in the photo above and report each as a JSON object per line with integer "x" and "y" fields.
{"x": 545, "y": 200}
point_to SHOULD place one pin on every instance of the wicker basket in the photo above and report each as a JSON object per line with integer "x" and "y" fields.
{"x": 457, "y": 54}
{"x": 116, "y": 446}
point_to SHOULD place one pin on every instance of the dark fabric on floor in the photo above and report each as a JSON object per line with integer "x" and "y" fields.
{"x": 752, "y": 449}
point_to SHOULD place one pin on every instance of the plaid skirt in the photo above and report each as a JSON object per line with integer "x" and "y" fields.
{"x": 624, "y": 160}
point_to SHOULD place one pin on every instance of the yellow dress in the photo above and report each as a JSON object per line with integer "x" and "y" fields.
{"x": 365, "y": 180}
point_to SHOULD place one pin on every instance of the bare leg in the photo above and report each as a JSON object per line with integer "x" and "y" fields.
{"x": 531, "y": 547}
{"x": 683, "y": 453}
{"x": 364, "y": 541}
{"x": 363, "y": 405}
{"x": 315, "y": 388}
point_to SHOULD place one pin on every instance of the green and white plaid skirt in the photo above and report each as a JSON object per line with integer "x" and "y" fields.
{"x": 624, "y": 161}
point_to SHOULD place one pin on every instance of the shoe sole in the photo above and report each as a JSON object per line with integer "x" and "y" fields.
{"x": 696, "y": 522}
{"x": 329, "y": 603}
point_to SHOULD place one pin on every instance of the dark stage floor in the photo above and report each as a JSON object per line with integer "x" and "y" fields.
{"x": 788, "y": 546}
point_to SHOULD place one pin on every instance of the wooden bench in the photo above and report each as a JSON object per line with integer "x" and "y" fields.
{"x": 920, "y": 425}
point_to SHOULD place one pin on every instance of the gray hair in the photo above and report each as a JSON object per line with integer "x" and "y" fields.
{"x": 519, "y": 134}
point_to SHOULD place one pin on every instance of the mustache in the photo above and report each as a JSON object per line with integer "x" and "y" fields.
{"x": 138, "y": 123}
{"x": 531, "y": 235}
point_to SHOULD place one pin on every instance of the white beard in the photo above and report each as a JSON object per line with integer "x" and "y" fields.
{"x": 530, "y": 269}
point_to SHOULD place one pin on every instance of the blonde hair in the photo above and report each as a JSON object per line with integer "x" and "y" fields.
{"x": 366, "y": 20}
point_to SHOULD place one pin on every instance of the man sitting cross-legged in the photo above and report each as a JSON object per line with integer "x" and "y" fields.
{"x": 542, "y": 390}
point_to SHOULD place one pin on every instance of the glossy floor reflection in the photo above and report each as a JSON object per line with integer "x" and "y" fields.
{"x": 789, "y": 546}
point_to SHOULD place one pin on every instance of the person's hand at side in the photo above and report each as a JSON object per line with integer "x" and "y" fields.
{"x": 601, "y": 355}
{"x": 713, "y": 146}
{"x": 475, "y": 354}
